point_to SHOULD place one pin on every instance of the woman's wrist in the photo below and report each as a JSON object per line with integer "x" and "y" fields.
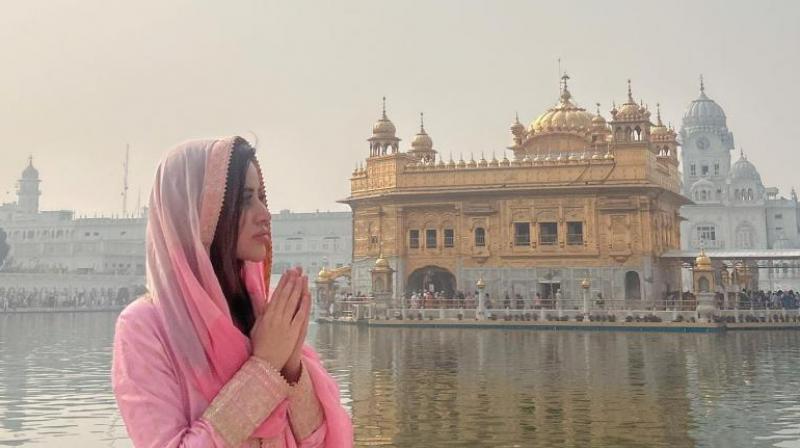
{"x": 291, "y": 371}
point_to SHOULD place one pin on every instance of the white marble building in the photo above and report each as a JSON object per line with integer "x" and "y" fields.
{"x": 55, "y": 248}
{"x": 733, "y": 209}
{"x": 57, "y": 241}
{"x": 311, "y": 240}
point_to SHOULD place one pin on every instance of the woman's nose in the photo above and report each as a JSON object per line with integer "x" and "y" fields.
{"x": 262, "y": 214}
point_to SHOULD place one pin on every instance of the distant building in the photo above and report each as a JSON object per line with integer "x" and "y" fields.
{"x": 311, "y": 240}
{"x": 55, "y": 250}
{"x": 733, "y": 210}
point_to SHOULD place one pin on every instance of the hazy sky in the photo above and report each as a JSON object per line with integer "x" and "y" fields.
{"x": 81, "y": 78}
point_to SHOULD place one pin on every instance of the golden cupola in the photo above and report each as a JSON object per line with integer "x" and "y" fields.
{"x": 422, "y": 144}
{"x": 630, "y": 111}
{"x": 703, "y": 262}
{"x": 565, "y": 117}
{"x": 659, "y": 130}
{"x": 384, "y": 139}
{"x": 518, "y": 133}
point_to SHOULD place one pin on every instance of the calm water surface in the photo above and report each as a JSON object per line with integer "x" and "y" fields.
{"x": 451, "y": 387}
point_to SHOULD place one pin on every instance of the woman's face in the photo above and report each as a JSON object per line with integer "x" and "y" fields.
{"x": 254, "y": 223}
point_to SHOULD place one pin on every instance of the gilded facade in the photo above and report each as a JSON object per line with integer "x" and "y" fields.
{"x": 574, "y": 197}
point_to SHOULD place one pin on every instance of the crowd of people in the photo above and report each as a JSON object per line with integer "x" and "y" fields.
{"x": 470, "y": 300}
{"x": 54, "y": 298}
{"x": 759, "y": 299}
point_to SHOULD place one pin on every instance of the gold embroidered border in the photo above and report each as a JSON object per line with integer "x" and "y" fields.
{"x": 246, "y": 401}
{"x": 305, "y": 410}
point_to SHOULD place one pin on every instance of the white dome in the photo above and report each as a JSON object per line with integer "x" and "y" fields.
{"x": 744, "y": 170}
{"x": 704, "y": 112}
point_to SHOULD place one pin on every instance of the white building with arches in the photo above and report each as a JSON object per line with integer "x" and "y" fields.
{"x": 733, "y": 209}
{"x": 55, "y": 250}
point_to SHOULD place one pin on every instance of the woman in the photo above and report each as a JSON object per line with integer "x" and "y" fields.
{"x": 203, "y": 360}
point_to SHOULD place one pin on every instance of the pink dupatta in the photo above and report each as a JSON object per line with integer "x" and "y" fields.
{"x": 184, "y": 209}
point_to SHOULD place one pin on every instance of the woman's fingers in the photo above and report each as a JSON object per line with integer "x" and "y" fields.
{"x": 278, "y": 289}
{"x": 283, "y": 296}
{"x": 304, "y": 293}
{"x": 297, "y": 292}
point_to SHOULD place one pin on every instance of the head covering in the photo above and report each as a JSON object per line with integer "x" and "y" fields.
{"x": 208, "y": 348}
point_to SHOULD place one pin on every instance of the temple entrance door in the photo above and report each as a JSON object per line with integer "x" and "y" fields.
{"x": 431, "y": 278}
{"x": 633, "y": 287}
{"x": 548, "y": 292}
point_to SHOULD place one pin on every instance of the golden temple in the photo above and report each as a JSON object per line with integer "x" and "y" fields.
{"x": 576, "y": 197}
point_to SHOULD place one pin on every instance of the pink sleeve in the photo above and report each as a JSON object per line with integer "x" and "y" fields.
{"x": 148, "y": 393}
{"x": 306, "y": 415}
{"x": 149, "y": 397}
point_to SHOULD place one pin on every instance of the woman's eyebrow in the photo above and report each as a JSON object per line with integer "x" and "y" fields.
{"x": 248, "y": 190}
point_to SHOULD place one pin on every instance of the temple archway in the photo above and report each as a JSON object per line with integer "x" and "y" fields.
{"x": 633, "y": 287}
{"x": 431, "y": 278}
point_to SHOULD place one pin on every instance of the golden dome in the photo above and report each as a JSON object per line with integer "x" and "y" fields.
{"x": 702, "y": 260}
{"x": 564, "y": 117}
{"x": 384, "y": 127}
{"x": 422, "y": 141}
{"x": 659, "y": 128}
{"x": 382, "y": 262}
{"x": 630, "y": 111}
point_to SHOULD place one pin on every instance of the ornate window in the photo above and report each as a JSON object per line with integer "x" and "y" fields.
{"x": 449, "y": 238}
{"x": 413, "y": 239}
{"x": 706, "y": 234}
{"x": 522, "y": 233}
{"x": 548, "y": 233}
{"x": 430, "y": 238}
{"x": 574, "y": 233}
{"x": 744, "y": 236}
{"x": 480, "y": 237}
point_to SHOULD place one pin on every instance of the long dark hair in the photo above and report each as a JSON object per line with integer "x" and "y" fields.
{"x": 226, "y": 264}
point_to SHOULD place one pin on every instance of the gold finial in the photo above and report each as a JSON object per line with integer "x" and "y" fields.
{"x": 565, "y": 95}
{"x": 630, "y": 95}
{"x": 421, "y": 123}
{"x": 384, "y": 108}
{"x": 598, "y": 108}
{"x": 516, "y": 117}
{"x": 741, "y": 153}
{"x": 702, "y": 85}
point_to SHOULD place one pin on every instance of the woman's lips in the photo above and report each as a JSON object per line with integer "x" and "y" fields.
{"x": 262, "y": 237}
